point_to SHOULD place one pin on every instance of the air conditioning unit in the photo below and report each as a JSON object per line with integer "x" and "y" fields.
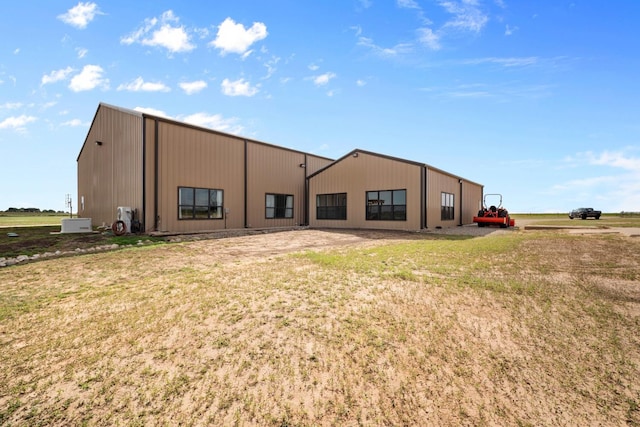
{"x": 125, "y": 214}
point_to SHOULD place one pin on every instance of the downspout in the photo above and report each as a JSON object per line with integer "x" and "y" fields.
{"x": 144, "y": 175}
{"x": 423, "y": 198}
{"x": 426, "y": 196}
{"x": 156, "y": 166}
{"x": 245, "y": 185}
{"x": 461, "y": 210}
{"x": 306, "y": 192}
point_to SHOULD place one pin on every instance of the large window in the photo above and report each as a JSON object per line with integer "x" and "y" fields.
{"x": 199, "y": 203}
{"x": 387, "y": 205}
{"x": 447, "y": 211}
{"x": 279, "y": 206}
{"x": 331, "y": 206}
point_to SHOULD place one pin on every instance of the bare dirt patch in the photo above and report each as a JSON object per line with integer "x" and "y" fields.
{"x": 318, "y": 327}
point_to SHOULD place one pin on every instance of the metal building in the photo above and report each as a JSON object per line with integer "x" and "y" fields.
{"x": 370, "y": 190}
{"x": 181, "y": 178}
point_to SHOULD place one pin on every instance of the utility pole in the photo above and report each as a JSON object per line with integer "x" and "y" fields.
{"x": 69, "y": 205}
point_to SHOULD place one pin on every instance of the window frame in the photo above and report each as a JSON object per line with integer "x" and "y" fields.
{"x": 392, "y": 211}
{"x": 276, "y": 209}
{"x": 334, "y": 211}
{"x": 214, "y": 211}
{"x": 447, "y": 206}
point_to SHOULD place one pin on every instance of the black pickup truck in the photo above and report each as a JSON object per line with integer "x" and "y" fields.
{"x": 584, "y": 213}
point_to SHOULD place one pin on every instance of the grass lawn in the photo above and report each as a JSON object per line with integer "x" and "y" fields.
{"x": 606, "y": 220}
{"x": 514, "y": 328}
{"x": 29, "y": 219}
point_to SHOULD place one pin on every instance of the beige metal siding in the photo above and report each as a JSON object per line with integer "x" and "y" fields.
{"x": 437, "y": 183}
{"x": 149, "y": 174}
{"x": 273, "y": 170}
{"x": 357, "y": 175}
{"x": 471, "y": 201}
{"x": 110, "y": 174}
{"x": 189, "y": 157}
{"x": 315, "y": 163}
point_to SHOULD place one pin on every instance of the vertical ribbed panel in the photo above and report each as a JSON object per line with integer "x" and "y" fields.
{"x": 273, "y": 170}
{"x": 189, "y": 157}
{"x": 110, "y": 174}
{"x": 357, "y": 175}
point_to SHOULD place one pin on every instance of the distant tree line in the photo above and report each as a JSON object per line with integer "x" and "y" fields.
{"x": 32, "y": 210}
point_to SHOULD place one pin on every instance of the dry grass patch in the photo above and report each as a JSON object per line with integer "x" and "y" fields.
{"x": 514, "y": 329}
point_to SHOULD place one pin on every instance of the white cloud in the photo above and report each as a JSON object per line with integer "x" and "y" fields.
{"x": 56, "y": 76}
{"x": 80, "y": 15}
{"x": 506, "y": 62}
{"x": 270, "y": 65}
{"x": 214, "y": 121}
{"x": 614, "y": 189}
{"x": 82, "y": 52}
{"x": 360, "y": 83}
{"x": 193, "y": 87}
{"x": 88, "y": 79}
{"x": 238, "y": 88}
{"x": 408, "y": 4}
{"x": 161, "y": 33}
{"x": 75, "y": 123}
{"x": 427, "y": 37}
{"x": 17, "y": 123}
{"x": 313, "y": 67}
{"x": 152, "y": 111}
{"x": 11, "y": 105}
{"x": 509, "y": 30}
{"x": 614, "y": 159}
{"x": 211, "y": 121}
{"x": 323, "y": 79}
{"x": 384, "y": 52}
{"x": 139, "y": 85}
{"x": 234, "y": 38}
{"x": 467, "y": 15}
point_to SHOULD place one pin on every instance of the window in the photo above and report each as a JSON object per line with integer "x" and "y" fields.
{"x": 199, "y": 203}
{"x": 388, "y": 205}
{"x": 331, "y": 206}
{"x": 279, "y": 206}
{"x": 447, "y": 212}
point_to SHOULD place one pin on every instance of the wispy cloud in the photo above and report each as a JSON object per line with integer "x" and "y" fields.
{"x": 139, "y": 85}
{"x": 17, "y": 123}
{"x": 323, "y": 79}
{"x": 620, "y": 159}
{"x": 510, "y": 30}
{"x": 467, "y": 15}
{"x": 214, "y": 121}
{"x": 505, "y": 62}
{"x": 80, "y": 15}
{"x": 385, "y": 52}
{"x": 162, "y": 32}
{"x": 11, "y": 105}
{"x": 75, "y": 123}
{"x": 428, "y": 38}
{"x": 611, "y": 177}
{"x": 408, "y": 4}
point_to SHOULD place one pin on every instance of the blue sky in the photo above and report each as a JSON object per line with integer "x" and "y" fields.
{"x": 537, "y": 100}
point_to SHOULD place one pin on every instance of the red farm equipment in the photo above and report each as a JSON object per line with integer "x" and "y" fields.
{"x": 494, "y": 215}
